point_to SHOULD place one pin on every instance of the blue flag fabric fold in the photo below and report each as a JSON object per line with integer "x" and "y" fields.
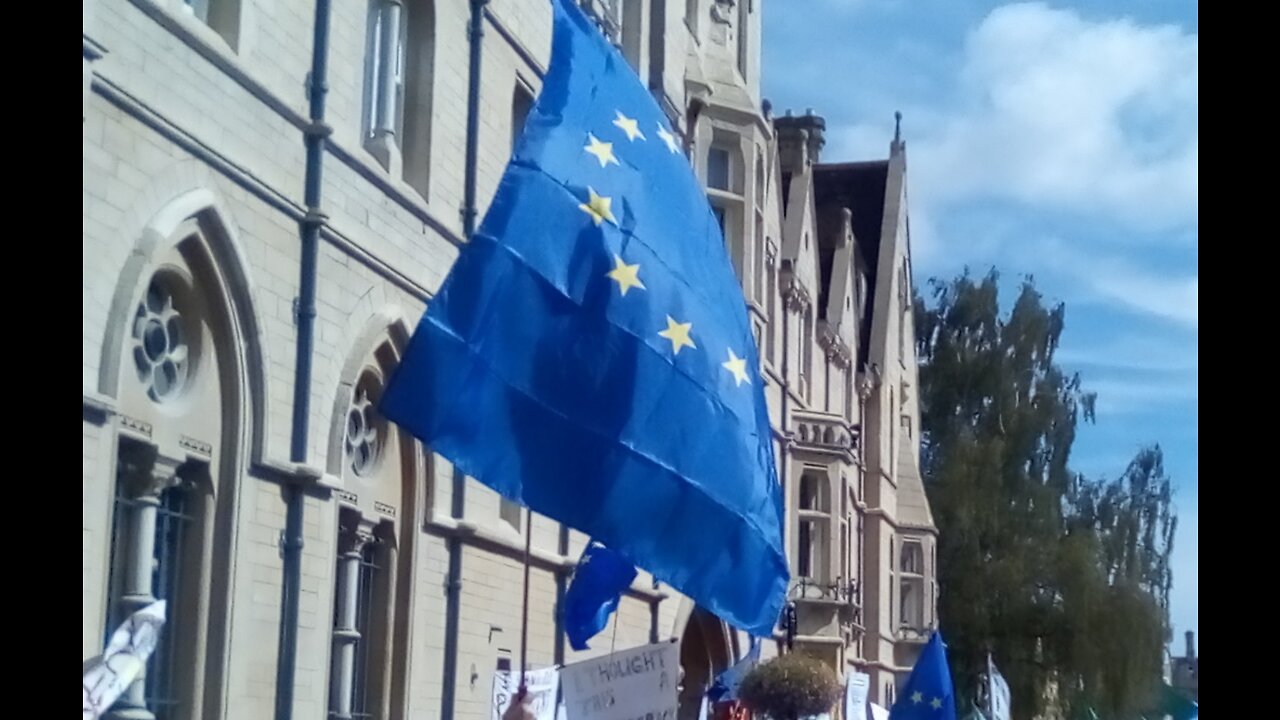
{"x": 928, "y": 693}
{"x": 594, "y": 593}
{"x": 725, "y": 687}
{"x": 589, "y": 354}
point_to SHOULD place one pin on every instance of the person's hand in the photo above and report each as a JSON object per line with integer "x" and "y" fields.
{"x": 521, "y": 707}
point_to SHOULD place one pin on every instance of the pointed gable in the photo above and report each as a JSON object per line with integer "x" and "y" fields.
{"x": 859, "y": 188}
{"x": 799, "y": 245}
{"x": 836, "y": 309}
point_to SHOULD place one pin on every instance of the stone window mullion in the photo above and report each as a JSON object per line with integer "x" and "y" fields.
{"x": 142, "y": 489}
{"x": 346, "y": 634}
{"x": 389, "y": 46}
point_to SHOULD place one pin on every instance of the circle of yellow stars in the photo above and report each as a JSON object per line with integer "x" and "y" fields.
{"x": 917, "y": 697}
{"x": 627, "y": 276}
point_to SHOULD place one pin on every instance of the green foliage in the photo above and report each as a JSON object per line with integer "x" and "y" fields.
{"x": 789, "y": 687}
{"x": 1064, "y": 579}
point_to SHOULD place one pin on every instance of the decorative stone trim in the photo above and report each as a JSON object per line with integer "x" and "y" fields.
{"x": 136, "y": 426}
{"x": 197, "y": 446}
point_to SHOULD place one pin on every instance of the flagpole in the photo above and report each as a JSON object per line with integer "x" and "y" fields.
{"x": 524, "y": 614}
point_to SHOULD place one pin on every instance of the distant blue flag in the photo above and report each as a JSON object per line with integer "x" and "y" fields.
{"x": 725, "y": 687}
{"x": 928, "y": 694}
{"x": 589, "y": 355}
{"x": 597, "y": 586}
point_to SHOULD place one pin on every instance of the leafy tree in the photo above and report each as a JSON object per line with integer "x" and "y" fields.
{"x": 1064, "y": 579}
{"x": 790, "y": 687}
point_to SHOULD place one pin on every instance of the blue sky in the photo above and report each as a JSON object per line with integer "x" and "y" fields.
{"x": 1053, "y": 140}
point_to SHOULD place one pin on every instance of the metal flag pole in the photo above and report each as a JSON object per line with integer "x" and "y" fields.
{"x": 524, "y": 614}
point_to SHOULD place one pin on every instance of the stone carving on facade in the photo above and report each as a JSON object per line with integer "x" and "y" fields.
{"x": 833, "y": 347}
{"x": 795, "y": 294}
{"x": 352, "y": 540}
{"x": 868, "y": 381}
{"x": 819, "y": 431}
{"x": 722, "y": 11}
{"x": 196, "y": 446}
{"x": 140, "y": 427}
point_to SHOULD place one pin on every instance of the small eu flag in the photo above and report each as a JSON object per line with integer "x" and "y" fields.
{"x": 725, "y": 687}
{"x": 928, "y": 694}
{"x": 598, "y": 582}
{"x": 589, "y": 354}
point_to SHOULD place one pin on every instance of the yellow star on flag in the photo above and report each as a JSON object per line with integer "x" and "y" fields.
{"x": 668, "y": 138}
{"x": 627, "y": 276}
{"x": 628, "y": 126}
{"x": 602, "y": 150}
{"x": 598, "y": 208}
{"x": 936, "y": 703}
{"x": 738, "y": 367}
{"x": 917, "y": 697}
{"x": 678, "y": 334}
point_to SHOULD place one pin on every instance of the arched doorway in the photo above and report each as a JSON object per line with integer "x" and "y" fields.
{"x": 704, "y": 654}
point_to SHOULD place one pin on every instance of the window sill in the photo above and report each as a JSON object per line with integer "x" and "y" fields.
{"x": 175, "y": 13}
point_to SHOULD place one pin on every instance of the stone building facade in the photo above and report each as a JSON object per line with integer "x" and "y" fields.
{"x": 194, "y": 114}
{"x": 1185, "y": 671}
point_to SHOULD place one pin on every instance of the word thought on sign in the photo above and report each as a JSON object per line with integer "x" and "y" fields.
{"x": 635, "y": 684}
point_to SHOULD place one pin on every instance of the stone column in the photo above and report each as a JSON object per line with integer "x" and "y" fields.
{"x": 382, "y": 144}
{"x": 345, "y": 635}
{"x": 145, "y": 485}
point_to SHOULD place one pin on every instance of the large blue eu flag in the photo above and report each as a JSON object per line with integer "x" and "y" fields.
{"x": 928, "y": 693}
{"x": 589, "y": 354}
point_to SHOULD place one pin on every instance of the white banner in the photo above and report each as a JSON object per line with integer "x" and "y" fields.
{"x": 543, "y": 685}
{"x": 878, "y": 713}
{"x": 856, "y": 687}
{"x": 999, "y": 696}
{"x": 109, "y": 675}
{"x": 629, "y": 684}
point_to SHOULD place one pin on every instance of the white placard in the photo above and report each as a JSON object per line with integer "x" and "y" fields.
{"x": 999, "y": 696}
{"x": 878, "y": 713}
{"x": 629, "y": 684}
{"x": 544, "y": 683}
{"x": 856, "y": 687}
{"x": 109, "y": 675}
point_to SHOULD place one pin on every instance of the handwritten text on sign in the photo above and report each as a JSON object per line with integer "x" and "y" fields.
{"x": 542, "y": 692}
{"x": 636, "y": 684}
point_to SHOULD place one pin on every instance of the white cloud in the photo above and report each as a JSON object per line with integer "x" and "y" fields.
{"x": 1098, "y": 275}
{"x": 1185, "y": 564}
{"x": 1060, "y": 112}
{"x": 1175, "y": 299}
{"x": 1133, "y": 352}
{"x": 1130, "y": 397}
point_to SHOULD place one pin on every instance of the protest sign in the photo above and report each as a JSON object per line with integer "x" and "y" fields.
{"x": 855, "y": 695}
{"x": 543, "y": 685}
{"x": 635, "y": 684}
{"x": 109, "y": 675}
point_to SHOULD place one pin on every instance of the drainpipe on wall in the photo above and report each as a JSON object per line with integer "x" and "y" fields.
{"x": 786, "y": 441}
{"x": 452, "y": 602}
{"x": 314, "y": 138}
{"x": 562, "y": 576}
{"x": 654, "y": 616}
{"x": 453, "y": 581}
